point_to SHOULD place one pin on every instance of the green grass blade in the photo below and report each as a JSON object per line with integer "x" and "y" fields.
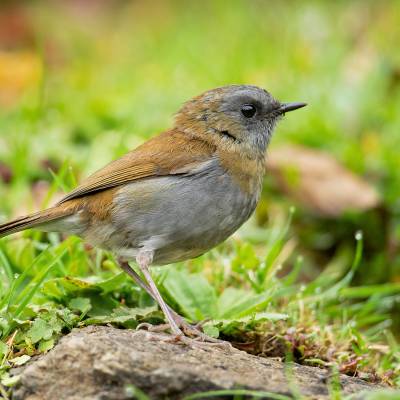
{"x": 26, "y": 298}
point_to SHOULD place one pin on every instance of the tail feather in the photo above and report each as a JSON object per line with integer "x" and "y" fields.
{"x": 34, "y": 220}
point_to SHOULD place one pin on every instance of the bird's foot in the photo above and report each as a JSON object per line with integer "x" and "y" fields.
{"x": 191, "y": 335}
{"x": 202, "y": 341}
{"x": 161, "y": 328}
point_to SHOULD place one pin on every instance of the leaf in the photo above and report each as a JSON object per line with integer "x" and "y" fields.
{"x": 101, "y": 305}
{"x": 8, "y": 380}
{"x": 123, "y": 316}
{"x": 211, "y": 330}
{"x": 46, "y": 345}
{"x": 17, "y": 361}
{"x": 74, "y": 284}
{"x": 268, "y": 316}
{"x": 3, "y": 348}
{"x": 25, "y": 298}
{"x": 39, "y": 330}
{"x": 333, "y": 291}
{"x": 194, "y": 295}
{"x": 18, "y": 282}
{"x": 245, "y": 258}
{"x": 59, "y": 288}
{"x": 316, "y": 180}
{"x": 81, "y": 304}
{"x": 367, "y": 291}
{"x": 52, "y": 289}
{"x": 5, "y": 264}
{"x": 237, "y": 303}
{"x": 114, "y": 283}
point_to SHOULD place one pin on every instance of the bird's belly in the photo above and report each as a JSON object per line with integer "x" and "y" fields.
{"x": 177, "y": 217}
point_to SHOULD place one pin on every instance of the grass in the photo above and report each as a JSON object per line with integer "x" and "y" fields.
{"x": 53, "y": 286}
{"x": 289, "y": 284}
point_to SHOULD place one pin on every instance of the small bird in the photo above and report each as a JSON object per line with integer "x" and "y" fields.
{"x": 177, "y": 195}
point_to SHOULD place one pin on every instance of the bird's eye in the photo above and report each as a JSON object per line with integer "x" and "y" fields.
{"x": 248, "y": 110}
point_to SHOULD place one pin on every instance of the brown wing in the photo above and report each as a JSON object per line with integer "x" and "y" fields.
{"x": 170, "y": 153}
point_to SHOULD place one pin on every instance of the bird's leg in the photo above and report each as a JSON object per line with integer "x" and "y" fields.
{"x": 144, "y": 259}
{"x": 135, "y": 276}
{"x": 180, "y": 321}
{"x": 132, "y": 273}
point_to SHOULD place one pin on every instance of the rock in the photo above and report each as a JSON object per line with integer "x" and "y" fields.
{"x": 317, "y": 181}
{"x": 103, "y": 363}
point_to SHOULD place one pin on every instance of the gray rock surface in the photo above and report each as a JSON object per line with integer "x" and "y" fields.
{"x": 102, "y": 363}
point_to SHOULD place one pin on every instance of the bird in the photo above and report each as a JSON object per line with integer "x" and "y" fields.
{"x": 177, "y": 195}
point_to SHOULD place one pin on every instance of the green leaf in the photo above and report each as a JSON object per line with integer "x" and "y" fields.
{"x": 269, "y": 316}
{"x": 211, "y": 330}
{"x": 25, "y": 298}
{"x": 333, "y": 291}
{"x": 6, "y": 264}
{"x": 39, "y": 330}
{"x": 8, "y": 380}
{"x": 101, "y": 305}
{"x": 18, "y": 283}
{"x": 194, "y": 295}
{"x": 245, "y": 259}
{"x": 237, "y": 303}
{"x": 270, "y": 266}
{"x": 53, "y": 290}
{"x": 81, "y": 304}
{"x": 59, "y": 288}
{"x": 77, "y": 284}
{"x": 123, "y": 316}
{"x": 3, "y": 348}
{"x": 112, "y": 284}
{"x": 367, "y": 291}
{"x": 46, "y": 345}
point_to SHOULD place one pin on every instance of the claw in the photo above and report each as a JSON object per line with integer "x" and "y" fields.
{"x": 203, "y": 341}
{"x": 192, "y": 335}
{"x": 153, "y": 328}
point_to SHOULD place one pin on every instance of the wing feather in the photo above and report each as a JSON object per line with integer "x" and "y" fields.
{"x": 170, "y": 153}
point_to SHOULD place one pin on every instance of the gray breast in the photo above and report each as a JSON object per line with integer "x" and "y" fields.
{"x": 179, "y": 217}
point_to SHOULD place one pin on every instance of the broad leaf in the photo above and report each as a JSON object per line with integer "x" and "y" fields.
{"x": 194, "y": 295}
{"x": 236, "y": 303}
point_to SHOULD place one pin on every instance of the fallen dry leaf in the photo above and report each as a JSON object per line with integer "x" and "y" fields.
{"x": 319, "y": 182}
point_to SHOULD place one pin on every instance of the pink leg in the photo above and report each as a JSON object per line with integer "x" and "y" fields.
{"x": 179, "y": 321}
{"x": 144, "y": 260}
{"x": 125, "y": 266}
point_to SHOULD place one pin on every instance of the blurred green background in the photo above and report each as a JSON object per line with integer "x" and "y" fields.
{"x": 85, "y": 81}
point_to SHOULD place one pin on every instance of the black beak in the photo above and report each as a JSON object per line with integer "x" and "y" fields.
{"x": 286, "y": 107}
